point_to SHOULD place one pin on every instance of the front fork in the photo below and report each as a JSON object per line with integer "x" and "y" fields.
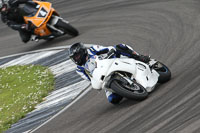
{"x": 121, "y": 77}
{"x": 152, "y": 62}
{"x": 52, "y": 25}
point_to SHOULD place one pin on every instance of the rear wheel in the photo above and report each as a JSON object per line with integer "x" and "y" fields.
{"x": 134, "y": 91}
{"x": 164, "y": 72}
{"x": 67, "y": 28}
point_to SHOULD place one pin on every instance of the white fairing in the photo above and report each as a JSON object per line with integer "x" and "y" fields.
{"x": 100, "y": 69}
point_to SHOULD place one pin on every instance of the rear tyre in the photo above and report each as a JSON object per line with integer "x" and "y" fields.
{"x": 164, "y": 72}
{"x": 62, "y": 25}
{"x": 134, "y": 91}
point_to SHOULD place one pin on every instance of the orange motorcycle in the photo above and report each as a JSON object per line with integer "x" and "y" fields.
{"x": 45, "y": 21}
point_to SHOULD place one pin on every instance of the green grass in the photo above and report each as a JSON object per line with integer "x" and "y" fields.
{"x": 21, "y": 88}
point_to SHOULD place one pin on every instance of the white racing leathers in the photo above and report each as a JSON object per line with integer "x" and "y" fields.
{"x": 101, "y": 50}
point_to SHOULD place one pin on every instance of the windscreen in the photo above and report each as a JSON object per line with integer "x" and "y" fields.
{"x": 30, "y": 9}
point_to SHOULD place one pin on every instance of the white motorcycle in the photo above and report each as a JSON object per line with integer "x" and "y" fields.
{"x": 126, "y": 76}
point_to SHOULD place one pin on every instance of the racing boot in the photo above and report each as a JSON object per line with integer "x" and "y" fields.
{"x": 143, "y": 58}
{"x": 113, "y": 97}
{"x": 34, "y": 38}
{"x": 124, "y": 50}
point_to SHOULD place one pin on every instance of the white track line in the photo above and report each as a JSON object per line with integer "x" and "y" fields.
{"x": 69, "y": 105}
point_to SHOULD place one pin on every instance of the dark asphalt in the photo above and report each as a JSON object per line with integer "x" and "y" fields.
{"x": 168, "y": 30}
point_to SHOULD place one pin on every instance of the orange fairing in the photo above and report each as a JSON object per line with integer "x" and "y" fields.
{"x": 40, "y": 19}
{"x": 41, "y": 15}
{"x": 42, "y": 31}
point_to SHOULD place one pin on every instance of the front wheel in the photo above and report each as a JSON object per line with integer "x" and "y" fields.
{"x": 63, "y": 25}
{"x": 134, "y": 91}
{"x": 164, "y": 72}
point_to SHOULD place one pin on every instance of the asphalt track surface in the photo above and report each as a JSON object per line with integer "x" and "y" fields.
{"x": 168, "y": 30}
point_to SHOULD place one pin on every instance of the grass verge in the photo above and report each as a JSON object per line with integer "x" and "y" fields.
{"x": 21, "y": 88}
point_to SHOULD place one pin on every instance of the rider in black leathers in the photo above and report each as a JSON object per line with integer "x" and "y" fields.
{"x": 12, "y": 15}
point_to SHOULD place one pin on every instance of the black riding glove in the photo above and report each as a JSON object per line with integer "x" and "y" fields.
{"x": 25, "y": 27}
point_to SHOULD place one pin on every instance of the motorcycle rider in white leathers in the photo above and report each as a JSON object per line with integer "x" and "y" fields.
{"x": 79, "y": 54}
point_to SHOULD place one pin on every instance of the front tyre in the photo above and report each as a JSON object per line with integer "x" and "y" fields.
{"x": 63, "y": 25}
{"x": 134, "y": 91}
{"x": 164, "y": 72}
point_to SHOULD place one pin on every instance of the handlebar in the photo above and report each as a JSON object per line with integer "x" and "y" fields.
{"x": 110, "y": 54}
